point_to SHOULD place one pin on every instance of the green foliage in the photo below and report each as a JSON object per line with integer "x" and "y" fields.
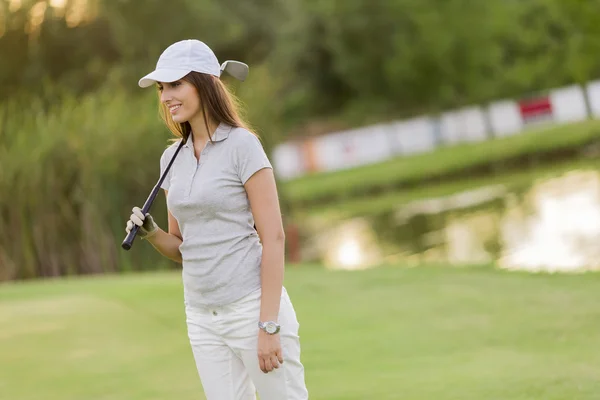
{"x": 356, "y": 60}
{"x": 372, "y": 60}
{"x": 75, "y": 132}
{"x": 69, "y": 177}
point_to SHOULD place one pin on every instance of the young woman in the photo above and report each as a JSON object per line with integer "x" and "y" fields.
{"x": 241, "y": 323}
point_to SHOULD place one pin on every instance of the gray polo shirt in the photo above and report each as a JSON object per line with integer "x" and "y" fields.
{"x": 221, "y": 251}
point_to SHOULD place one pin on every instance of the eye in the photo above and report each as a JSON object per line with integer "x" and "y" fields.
{"x": 175, "y": 84}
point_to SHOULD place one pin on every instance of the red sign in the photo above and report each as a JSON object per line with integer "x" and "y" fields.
{"x": 533, "y": 110}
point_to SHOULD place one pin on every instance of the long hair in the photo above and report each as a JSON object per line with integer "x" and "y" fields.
{"x": 218, "y": 104}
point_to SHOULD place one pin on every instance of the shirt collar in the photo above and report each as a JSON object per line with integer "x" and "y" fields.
{"x": 220, "y": 134}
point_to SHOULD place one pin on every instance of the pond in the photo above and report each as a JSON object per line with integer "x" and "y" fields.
{"x": 553, "y": 226}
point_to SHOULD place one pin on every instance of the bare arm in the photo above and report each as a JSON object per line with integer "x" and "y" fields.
{"x": 168, "y": 244}
{"x": 262, "y": 194}
{"x": 264, "y": 202}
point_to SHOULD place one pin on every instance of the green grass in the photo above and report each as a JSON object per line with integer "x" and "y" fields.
{"x": 389, "y": 333}
{"x": 512, "y": 181}
{"x": 345, "y": 183}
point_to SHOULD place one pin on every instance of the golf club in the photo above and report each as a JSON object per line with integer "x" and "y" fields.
{"x": 128, "y": 242}
{"x": 237, "y": 69}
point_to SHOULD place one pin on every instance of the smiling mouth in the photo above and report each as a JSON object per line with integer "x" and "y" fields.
{"x": 174, "y": 108}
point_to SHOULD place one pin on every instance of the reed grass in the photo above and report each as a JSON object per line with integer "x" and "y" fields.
{"x": 70, "y": 173}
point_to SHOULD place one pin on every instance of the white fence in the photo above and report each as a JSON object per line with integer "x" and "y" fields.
{"x": 376, "y": 143}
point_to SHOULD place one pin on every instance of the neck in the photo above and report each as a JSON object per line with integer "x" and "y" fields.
{"x": 199, "y": 131}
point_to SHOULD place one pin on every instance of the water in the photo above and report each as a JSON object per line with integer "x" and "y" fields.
{"x": 553, "y": 226}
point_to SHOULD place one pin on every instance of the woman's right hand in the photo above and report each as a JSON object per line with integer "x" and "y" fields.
{"x": 146, "y": 223}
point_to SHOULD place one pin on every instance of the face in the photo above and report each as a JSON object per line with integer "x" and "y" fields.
{"x": 181, "y": 98}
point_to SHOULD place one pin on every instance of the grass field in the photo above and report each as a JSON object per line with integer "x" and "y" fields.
{"x": 389, "y": 333}
{"x": 389, "y": 201}
{"x": 344, "y": 184}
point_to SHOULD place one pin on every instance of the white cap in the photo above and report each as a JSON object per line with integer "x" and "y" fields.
{"x": 183, "y": 57}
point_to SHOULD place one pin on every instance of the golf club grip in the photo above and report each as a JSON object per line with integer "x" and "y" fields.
{"x": 128, "y": 241}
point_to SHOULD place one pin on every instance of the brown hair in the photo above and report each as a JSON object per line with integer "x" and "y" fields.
{"x": 218, "y": 104}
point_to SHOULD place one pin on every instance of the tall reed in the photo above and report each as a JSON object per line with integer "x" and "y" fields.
{"x": 70, "y": 173}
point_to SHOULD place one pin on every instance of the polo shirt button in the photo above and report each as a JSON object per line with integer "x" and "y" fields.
{"x": 214, "y": 313}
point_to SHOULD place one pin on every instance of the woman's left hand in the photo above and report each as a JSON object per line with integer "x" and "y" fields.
{"x": 269, "y": 351}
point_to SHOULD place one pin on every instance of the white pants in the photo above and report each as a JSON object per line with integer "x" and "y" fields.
{"x": 224, "y": 342}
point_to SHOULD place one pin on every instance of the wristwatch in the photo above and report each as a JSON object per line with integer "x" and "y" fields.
{"x": 270, "y": 327}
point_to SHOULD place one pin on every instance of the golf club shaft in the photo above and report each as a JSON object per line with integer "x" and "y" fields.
{"x": 128, "y": 242}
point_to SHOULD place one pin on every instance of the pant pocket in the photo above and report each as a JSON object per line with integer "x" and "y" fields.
{"x": 287, "y": 316}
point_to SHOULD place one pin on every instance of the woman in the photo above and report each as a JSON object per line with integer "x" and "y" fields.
{"x": 241, "y": 323}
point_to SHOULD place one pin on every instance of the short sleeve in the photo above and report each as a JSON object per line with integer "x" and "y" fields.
{"x": 251, "y": 157}
{"x": 164, "y": 161}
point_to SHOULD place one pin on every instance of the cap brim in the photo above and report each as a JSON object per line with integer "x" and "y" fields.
{"x": 162, "y": 75}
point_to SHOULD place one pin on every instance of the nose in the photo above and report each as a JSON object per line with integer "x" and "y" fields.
{"x": 165, "y": 95}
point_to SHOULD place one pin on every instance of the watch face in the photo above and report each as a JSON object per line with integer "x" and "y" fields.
{"x": 271, "y": 327}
